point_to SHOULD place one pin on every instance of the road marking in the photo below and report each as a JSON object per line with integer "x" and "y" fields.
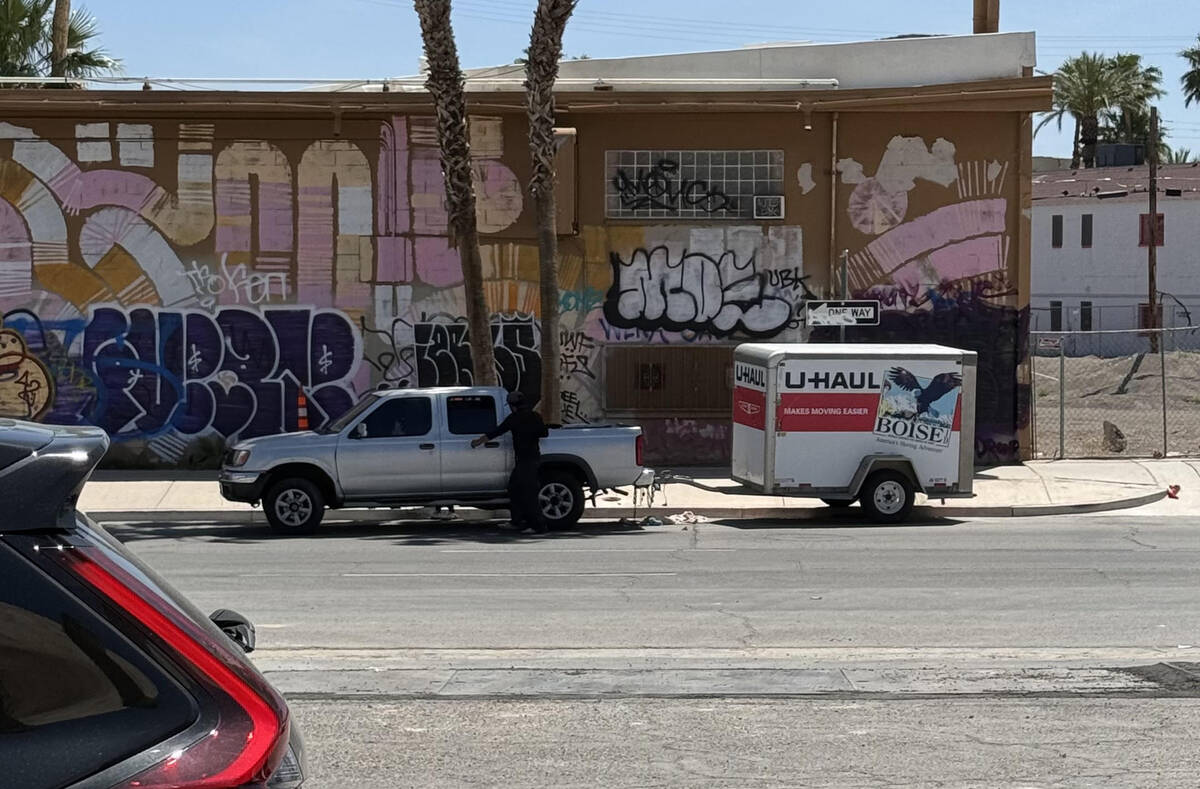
{"x": 590, "y": 550}
{"x": 499, "y": 575}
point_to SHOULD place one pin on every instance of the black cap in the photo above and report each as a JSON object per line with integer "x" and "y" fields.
{"x": 516, "y": 399}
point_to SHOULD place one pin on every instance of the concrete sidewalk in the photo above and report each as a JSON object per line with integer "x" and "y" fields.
{"x": 1035, "y": 488}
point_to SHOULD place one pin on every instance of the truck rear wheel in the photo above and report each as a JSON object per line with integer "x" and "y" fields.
{"x": 294, "y": 504}
{"x": 887, "y": 497}
{"x": 560, "y": 500}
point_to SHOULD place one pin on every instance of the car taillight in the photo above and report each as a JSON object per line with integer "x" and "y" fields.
{"x": 251, "y": 736}
{"x": 639, "y": 447}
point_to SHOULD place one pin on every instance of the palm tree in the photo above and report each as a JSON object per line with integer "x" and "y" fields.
{"x": 1178, "y": 156}
{"x": 59, "y": 32}
{"x": 1138, "y": 86}
{"x": 1191, "y": 77}
{"x": 1089, "y": 85}
{"x": 27, "y": 37}
{"x": 541, "y": 70}
{"x": 445, "y": 84}
{"x": 1133, "y": 127}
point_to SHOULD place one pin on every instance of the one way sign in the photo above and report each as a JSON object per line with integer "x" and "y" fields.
{"x": 843, "y": 313}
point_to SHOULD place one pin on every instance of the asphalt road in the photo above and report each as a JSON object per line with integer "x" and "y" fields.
{"x": 1081, "y": 582}
{"x": 751, "y": 743}
{"x": 946, "y": 653}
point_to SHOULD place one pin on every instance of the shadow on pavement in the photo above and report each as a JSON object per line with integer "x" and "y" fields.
{"x": 415, "y": 533}
{"x": 841, "y": 520}
{"x": 430, "y": 532}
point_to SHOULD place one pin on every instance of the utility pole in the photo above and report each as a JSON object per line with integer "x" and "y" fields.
{"x": 1152, "y": 252}
{"x": 987, "y": 16}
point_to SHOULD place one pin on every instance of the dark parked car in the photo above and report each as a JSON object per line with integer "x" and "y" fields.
{"x": 109, "y": 677}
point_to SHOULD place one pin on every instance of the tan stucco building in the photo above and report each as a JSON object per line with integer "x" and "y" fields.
{"x": 178, "y": 266}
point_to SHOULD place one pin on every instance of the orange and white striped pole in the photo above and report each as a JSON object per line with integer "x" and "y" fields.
{"x": 301, "y": 411}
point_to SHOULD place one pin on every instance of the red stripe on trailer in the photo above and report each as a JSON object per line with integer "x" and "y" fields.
{"x": 750, "y": 408}
{"x": 827, "y": 412}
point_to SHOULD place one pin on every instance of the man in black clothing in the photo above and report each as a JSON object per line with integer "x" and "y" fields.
{"x": 527, "y": 429}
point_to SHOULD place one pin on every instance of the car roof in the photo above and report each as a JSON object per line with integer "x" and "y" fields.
{"x": 42, "y": 470}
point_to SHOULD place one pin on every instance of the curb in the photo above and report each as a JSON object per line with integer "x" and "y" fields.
{"x": 920, "y": 512}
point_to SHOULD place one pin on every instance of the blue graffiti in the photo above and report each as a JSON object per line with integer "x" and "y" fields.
{"x": 236, "y": 373}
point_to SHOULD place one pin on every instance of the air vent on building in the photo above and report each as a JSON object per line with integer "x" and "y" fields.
{"x": 1174, "y": 192}
{"x": 768, "y": 206}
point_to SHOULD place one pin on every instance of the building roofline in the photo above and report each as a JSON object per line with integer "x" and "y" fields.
{"x": 1024, "y": 94}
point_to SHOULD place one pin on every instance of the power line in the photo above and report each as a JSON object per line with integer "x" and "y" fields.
{"x": 503, "y": 17}
{"x": 678, "y": 21}
{"x": 627, "y": 24}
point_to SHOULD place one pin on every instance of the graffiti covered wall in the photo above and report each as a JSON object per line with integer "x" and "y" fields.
{"x": 931, "y": 219}
{"x": 180, "y": 283}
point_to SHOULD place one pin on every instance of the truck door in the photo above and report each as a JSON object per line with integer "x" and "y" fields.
{"x": 392, "y": 451}
{"x": 468, "y": 470}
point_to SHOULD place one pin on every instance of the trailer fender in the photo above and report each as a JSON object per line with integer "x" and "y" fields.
{"x": 872, "y": 463}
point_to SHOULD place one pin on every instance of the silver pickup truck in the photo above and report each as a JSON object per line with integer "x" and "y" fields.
{"x": 412, "y": 447}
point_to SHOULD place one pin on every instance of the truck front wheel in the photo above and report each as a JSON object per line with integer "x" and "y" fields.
{"x": 887, "y": 497}
{"x": 294, "y": 504}
{"x": 560, "y": 499}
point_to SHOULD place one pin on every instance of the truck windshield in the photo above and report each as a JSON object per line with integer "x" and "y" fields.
{"x": 339, "y": 424}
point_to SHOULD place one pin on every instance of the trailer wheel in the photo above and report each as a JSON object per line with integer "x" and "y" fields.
{"x": 888, "y": 497}
{"x": 838, "y": 504}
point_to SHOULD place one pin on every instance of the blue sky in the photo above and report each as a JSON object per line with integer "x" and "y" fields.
{"x": 380, "y": 38}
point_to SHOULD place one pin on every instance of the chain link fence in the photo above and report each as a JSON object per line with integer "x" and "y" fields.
{"x": 1100, "y": 394}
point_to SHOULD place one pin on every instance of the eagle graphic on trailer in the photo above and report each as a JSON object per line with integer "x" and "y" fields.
{"x": 941, "y": 385}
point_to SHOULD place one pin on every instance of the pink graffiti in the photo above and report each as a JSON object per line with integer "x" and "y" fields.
{"x": 272, "y": 173}
{"x": 957, "y": 261}
{"x": 16, "y": 253}
{"x": 394, "y": 251}
{"x": 921, "y": 237}
{"x": 438, "y": 263}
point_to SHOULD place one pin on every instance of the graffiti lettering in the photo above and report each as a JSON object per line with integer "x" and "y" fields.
{"x": 691, "y": 290}
{"x": 577, "y": 349}
{"x": 660, "y": 187}
{"x": 242, "y": 287}
{"x": 791, "y": 280}
{"x": 989, "y": 450}
{"x": 238, "y": 372}
{"x": 945, "y": 295}
{"x": 443, "y": 353}
{"x": 518, "y": 363}
{"x": 572, "y": 408}
{"x": 584, "y": 300}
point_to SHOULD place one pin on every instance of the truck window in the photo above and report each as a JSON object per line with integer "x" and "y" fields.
{"x": 345, "y": 419}
{"x": 400, "y": 417}
{"x": 471, "y": 415}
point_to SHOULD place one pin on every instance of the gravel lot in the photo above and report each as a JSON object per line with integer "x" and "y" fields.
{"x": 1092, "y": 386}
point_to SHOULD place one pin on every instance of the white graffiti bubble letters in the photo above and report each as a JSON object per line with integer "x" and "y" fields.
{"x": 692, "y": 290}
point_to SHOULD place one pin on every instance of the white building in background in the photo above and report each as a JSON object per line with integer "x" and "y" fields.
{"x": 1089, "y": 271}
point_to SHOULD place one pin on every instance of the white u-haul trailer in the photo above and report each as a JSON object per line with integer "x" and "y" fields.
{"x": 847, "y": 422}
